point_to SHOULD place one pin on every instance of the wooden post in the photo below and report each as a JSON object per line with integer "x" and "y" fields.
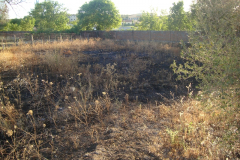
{"x": 132, "y": 35}
{"x": 6, "y": 40}
{"x": 150, "y": 35}
{"x": 15, "y": 40}
{"x": 21, "y": 41}
{"x": 32, "y": 39}
{"x": 60, "y": 37}
{"x": 3, "y": 45}
{"x": 49, "y": 38}
{"x": 88, "y": 37}
{"x": 71, "y": 38}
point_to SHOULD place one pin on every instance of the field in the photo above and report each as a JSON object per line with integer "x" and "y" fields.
{"x": 101, "y": 99}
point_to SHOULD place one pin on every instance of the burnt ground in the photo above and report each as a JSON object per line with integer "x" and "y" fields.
{"x": 128, "y": 78}
{"x": 142, "y": 76}
{"x": 153, "y": 78}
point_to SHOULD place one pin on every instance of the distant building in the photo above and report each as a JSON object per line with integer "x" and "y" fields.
{"x": 131, "y": 19}
{"x": 72, "y": 17}
{"x": 135, "y": 17}
{"x": 127, "y": 22}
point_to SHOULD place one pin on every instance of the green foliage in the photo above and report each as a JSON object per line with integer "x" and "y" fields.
{"x": 214, "y": 56}
{"x": 3, "y": 11}
{"x": 178, "y": 20}
{"x": 151, "y": 21}
{"x": 27, "y": 23}
{"x": 101, "y": 14}
{"x": 12, "y": 27}
{"x": 164, "y": 22}
{"x": 74, "y": 23}
{"x": 3, "y": 15}
{"x": 16, "y": 21}
{"x": 50, "y": 15}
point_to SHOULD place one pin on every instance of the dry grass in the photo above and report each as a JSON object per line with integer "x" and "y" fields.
{"x": 64, "y": 103}
{"x": 11, "y": 60}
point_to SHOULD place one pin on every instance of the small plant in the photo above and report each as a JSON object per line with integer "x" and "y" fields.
{"x": 172, "y": 134}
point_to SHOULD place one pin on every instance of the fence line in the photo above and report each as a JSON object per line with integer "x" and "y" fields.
{"x": 160, "y": 36}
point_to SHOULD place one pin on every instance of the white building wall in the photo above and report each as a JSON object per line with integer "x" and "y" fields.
{"x": 72, "y": 17}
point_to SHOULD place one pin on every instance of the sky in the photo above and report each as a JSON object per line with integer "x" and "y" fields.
{"x": 124, "y": 6}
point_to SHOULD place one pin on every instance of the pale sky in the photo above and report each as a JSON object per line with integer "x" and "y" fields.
{"x": 124, "y": 6}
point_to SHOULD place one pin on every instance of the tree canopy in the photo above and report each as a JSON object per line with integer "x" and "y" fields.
{"x": 16, "y": 21}
{"x": 25, "y": 24}
{"x": 101, "y": 14}
{"x": 3, "y": 15}
{"x": 178, "y": 19}
{"x": 50, "y": 15}
{"x": 151, "y": 21}
{"x": 214, "y": 56}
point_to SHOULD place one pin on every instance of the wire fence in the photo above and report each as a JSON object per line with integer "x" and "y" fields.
{"x": 14, "y": 37}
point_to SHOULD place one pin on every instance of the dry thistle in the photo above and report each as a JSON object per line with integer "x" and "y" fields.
{"x": 30, "y": 112}
{"x": 9, "y": 133}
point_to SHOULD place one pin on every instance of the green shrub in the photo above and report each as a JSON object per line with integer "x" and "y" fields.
{"x": 214, "y": 56}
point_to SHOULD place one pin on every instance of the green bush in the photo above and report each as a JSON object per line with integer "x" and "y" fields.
{"x": 213, "y": 59}
{"x": 214, "y": 56}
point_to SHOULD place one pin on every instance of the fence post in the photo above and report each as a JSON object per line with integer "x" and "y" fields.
{"x": 150, "y": 35}
{"x": 3, "y": 46}
{"x": 132, "y": 35}
{"x": 88, "y": 37}
{"x": 60, "y": 37}
{"x": 21, "y": 40}
{"x": 171, "y": 38}
{"x": 32, "y": 40}
{"x": 15, "y": 39}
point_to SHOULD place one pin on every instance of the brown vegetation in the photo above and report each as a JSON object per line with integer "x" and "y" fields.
{"x": 108, "y": 100}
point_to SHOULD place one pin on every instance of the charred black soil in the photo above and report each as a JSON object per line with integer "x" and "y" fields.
{"x": 80, "y": 110}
